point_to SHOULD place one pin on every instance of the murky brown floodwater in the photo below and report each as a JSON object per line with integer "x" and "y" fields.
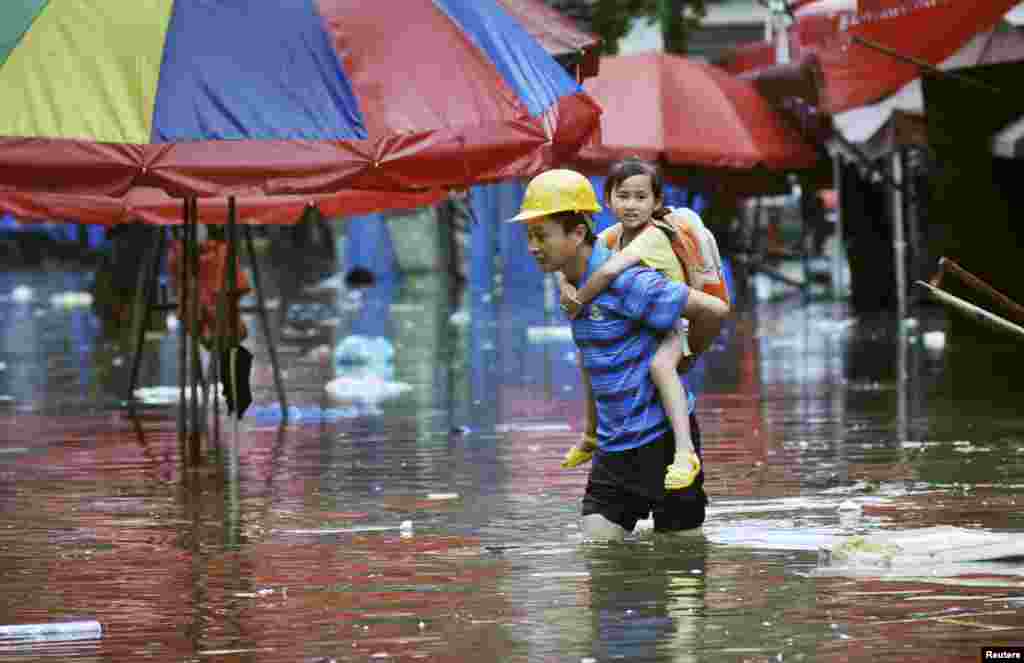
{"x": 288, "y": 544}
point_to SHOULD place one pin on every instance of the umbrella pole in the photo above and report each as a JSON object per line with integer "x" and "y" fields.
{"x": 265, "y": 323}
{"x": 898, "y": 244}
{"x": 194, "y": 301}
{"x": 183, "y": 335}
{"x": 805, "y": 289}
{"x": 199, "y": 416}
{"x": 837, "y": 258}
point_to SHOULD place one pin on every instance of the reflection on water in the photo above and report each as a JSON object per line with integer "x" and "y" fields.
{"x": 288, "y": 543}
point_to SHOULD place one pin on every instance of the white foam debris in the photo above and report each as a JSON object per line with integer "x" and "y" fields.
{"x": 159, "y": 395}
{"x": 459, "y": 319}
{"x": 71, "y": 300}
{"x": 22, "y": 294}
{"x": 934, "y": 340}
{"x": 365, "y": 388}
{"x": 548, "y": 334}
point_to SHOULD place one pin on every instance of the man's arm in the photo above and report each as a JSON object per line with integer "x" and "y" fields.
{"x": 653, "y": 300}
{"x": 589, "y": 406}
{"x": 603, "y": 277}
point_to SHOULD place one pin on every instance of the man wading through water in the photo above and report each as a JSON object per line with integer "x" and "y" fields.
{"x": 617, "y": 335}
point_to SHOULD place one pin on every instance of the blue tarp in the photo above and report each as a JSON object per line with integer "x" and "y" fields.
{"x": 525, "y": 66}
{"x": 57, "y": 232}
{"x": 227, "y": 73}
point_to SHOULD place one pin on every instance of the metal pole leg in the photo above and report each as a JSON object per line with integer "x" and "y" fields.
{"x": 220, "y": 346}
{"x": 196, "y": 335}
{"x": 183, "y": 332}
{"x": 144, "y": 307}
{"x": 262, "y": 310}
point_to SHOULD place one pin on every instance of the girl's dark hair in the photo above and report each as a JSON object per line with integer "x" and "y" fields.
{"x": 629, "y": 167}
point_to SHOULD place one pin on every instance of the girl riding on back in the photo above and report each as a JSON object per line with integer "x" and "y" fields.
{"x": 634, "y": 191}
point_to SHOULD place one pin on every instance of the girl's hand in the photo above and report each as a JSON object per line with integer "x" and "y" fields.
{"x": 570, "y": 304}
{"x": 686, "y": 363}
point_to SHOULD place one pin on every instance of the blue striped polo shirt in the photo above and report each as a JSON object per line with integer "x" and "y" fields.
{"x": 617, "y": 335}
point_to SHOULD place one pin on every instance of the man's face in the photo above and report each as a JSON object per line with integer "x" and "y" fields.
{"x": 550, "y": 245}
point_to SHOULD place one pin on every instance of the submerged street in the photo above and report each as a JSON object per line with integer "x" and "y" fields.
{"x": 412, "y": 507}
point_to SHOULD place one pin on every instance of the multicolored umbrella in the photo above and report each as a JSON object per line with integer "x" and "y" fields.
{"x": 215, "y": 98}
{"x": 155, "y": 207}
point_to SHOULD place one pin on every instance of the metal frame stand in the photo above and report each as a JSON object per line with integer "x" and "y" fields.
{"x": 190, "y": 421}
{"x": 753, "y": 256}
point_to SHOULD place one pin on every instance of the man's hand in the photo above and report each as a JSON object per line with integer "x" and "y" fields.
{"x": 686, "y": 363}
{"x": 706, "y": 315}
{"x": 570, "y": 304}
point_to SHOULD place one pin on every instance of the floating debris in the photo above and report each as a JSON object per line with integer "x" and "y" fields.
{"x": 365, "y": 388}
{"x": 319, "y": 353}
{"x": 850, "y": 505}
{"x": 405, "y": 528}
{"x": 310, "y": 414}
{"x": 835, "y": 326}
{"x": 71, "y": 300}
{"x": 934, "y": 340}
{"x": 52, "y": 632}
{"x": 920, "y": 549}
{"x": 159, "y": 395}
{"x": 532, "y": 428}
{"x": 549, "y": 334}
{"x": 443, "y": 496}
{"x": 913, "y": 444}
{"x": 858, "y": 546}
{"x": 358, "y": 351}
{"x": 22, "y": 294}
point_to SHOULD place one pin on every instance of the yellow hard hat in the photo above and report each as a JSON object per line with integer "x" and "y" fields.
{"x": 556, "y": 191}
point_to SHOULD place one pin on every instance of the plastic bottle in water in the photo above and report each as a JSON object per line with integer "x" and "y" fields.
{"x": 51, "y": 632}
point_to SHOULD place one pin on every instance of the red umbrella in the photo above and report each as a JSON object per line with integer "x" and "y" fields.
{"x": 850, "y": 39}
{"x": 682, "y": 112}
{"x": 557, "y": 34}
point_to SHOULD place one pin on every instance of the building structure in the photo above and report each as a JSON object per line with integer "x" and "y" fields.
{"x": 728, "y": 24}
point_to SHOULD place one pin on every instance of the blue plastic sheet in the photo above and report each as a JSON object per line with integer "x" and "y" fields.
{"x": 228, "y": 74}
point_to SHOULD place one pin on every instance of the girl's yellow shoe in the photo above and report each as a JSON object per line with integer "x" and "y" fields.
{"x": 576, "y": 456}
{"x": 679, "y": 476}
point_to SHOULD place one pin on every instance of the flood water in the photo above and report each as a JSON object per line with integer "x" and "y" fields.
{"x": 417, "y": 512}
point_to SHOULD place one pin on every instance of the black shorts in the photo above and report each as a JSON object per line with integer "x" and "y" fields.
{"x": 626, "y": 486}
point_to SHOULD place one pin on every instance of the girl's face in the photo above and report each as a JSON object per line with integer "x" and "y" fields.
{"x": 633, "y": 202}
